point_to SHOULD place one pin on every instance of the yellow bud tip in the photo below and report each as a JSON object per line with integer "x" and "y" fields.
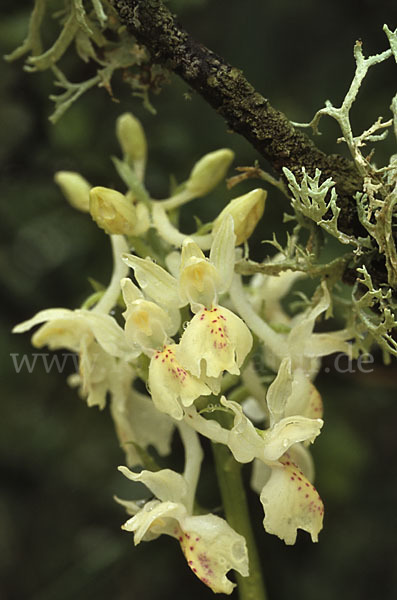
{"x": 75, "y": 188}
{"x": 246, "y": 210}
{"x": 131, "y": 137}
{"x": 112, "y": 211}
{"x": 209, "y": 171}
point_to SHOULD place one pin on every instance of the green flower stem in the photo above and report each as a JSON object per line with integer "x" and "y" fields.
{"x": 237, "y": 515}
{"x": 120, "y": 270}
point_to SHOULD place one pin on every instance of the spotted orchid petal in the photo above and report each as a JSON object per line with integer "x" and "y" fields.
{"x": 219, "y": 338}
{"x": 212, "y": 548}
{"x": 172, "y": 387}
{"x": 291, "y": 502}
{"x": 301, "y": 457}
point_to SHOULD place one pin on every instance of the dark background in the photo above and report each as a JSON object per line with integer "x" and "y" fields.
{"x": 59, "y": 526}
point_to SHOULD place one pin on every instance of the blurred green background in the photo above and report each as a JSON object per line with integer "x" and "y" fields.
{"x": 59, "y": 526}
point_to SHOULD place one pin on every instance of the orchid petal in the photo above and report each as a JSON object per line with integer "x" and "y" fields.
{"x": 260, "y": 475}
{"x": 219, "y": 338}
{"x": 287, "y": 432}
{"x": 154, "y": 519}
{"x": 108, "y": 334}
{"x": 222, "y": 254}
{"x": 244, "y": 441}
{"x": 50, "y": 314}
{"x": 212, "y": 548}
{"x": 323, "y": 344}
{"x": 279, "y": 391}
{"x": 155, "y": 281}
{"x": 166, "y": 485}
{"x": 147, "y": 325}
{"x": 301, "y": 457}
{"x": 95, "y": 370}
{"x": 290, "y": 503}
{"x": 138, "y": 422}
{"x": 171, "y": 386}
{"x": 130, "y": 291}
{"x": 198, "y": 278}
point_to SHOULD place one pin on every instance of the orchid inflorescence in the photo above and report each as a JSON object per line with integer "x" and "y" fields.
{"x": 198, "y": 337}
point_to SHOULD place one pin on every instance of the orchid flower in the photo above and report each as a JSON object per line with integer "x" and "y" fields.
{"x": 215, "y": 335}
{"x": 289, "y": 499}
{"x": 211, "y": 547}
{"x": 97, "y": 338}
{"x": 149, "y": 327}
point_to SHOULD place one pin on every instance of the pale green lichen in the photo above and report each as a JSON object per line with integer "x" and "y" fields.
{"x": 342, "y": 114}
{"x": 371, "y": 312}
{"x": 373, "y": 317}
{"x": 309, "y": 199}
{"x": 90, "y": 26}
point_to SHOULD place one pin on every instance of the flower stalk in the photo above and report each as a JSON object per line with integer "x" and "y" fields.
{"x": 237, "y": 514}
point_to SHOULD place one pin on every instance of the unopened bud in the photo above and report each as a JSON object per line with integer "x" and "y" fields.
{"x": 209, "y": 171}
{"x": 142, "y": 215}
{"x": 112, "y": 211}
{"x": 131, "y": 137}
{"x": 75, "y": 188}
{"x": 246, "y": 211}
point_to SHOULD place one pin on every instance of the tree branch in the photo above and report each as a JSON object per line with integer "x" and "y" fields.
{"x": 246, "y": 112}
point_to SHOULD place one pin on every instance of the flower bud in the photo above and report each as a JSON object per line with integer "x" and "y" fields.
{"x": 112, "y": 211}
{"x": 142, "y": 218}
{"x": 131, "y": 137}
{"x": 209, "y": 171}
{"x": 246, "y": 211}
{"x": 75, "y": 188}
